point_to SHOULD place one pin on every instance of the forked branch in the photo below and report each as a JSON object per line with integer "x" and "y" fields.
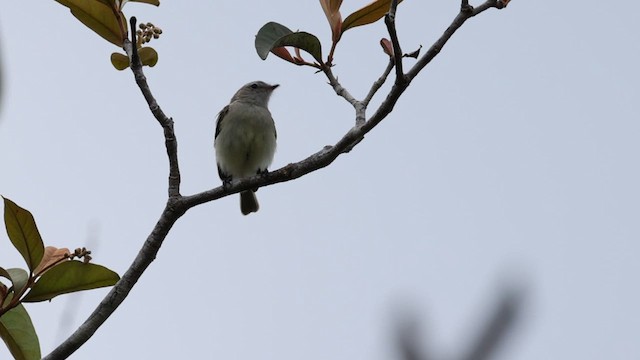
{"x": 177, "y": 204}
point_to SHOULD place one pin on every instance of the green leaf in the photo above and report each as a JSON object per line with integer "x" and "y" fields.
{"x": 23, "y": 233}
{"x": 17, "y": 331}
{"x": 368, "y": 14}
{"x": 119, "y": 61}
{"x": 70, "y": 276}
{"x": 99, "y": 17}
{"x": 19, "y": 279}
{"x": 304, "y": 41}
{"x": 273, "y": 35}
{"x": 267, "y": 36}
{"x": 148, "y": 56}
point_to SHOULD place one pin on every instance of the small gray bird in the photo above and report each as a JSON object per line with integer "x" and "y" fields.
{"x": 245, "y": 139}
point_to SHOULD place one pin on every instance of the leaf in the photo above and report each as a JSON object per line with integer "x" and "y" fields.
{"x": 23, "y": 233}
{"x": 267, "y": 36}
{"x": 100, "y": 18}
{"x": 51, "y": 256}
{"x": 413, "y": 54}
{"x": 17, "y": 331}
{"x": 283, "y": 53}
{"x": 109, "y": 3}
{"x": 70, "y": 276}
{"x": 330, "y": 6}
{"x": 387, "y": 46}
{"x": 152, "y": 2}
{"x": 273, "y": 35}
{"x": 367, "y": 15}
{"x": 304, "y": 41}
{"x": 4, "y": 273}
{"x": 331, "y": 9}
{"x": 148, "y": 56}
{"x": 119, "y": 61}
{"x": 19, "y": 279}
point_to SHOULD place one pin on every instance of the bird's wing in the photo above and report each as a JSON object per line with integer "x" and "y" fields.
{"x": 221, "y": 117}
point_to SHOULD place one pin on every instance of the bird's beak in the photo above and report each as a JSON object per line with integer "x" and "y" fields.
{"x": 273, "y": 87}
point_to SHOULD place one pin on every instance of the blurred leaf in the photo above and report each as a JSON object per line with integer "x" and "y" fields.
{"x": 99, "y": 17}
{"x": 267, "y": 36}
{"x": 19, "y": 279}
{"x": 17, "y": 331}
{"x": 51, "y": 256}
{"x": 70, "y": 276}
{"x": 148, "y": 56}
{"x": 119, "y": 61}
{"x": 23, "y": 232}
{"x": 367, "y": 15}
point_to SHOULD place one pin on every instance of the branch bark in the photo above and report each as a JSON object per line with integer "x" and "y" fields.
{"x": 177, "y": 205}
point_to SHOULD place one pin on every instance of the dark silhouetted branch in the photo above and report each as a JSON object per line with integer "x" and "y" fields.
{"x": 390, "y": 21}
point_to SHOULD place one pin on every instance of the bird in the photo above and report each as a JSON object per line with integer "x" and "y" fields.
{"x": 245, "y": 138}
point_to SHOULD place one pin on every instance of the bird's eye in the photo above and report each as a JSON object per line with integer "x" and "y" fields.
{"x": 254, "y": 86}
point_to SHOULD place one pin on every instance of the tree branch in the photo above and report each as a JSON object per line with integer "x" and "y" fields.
{"x": 177, "y": 205}
{"x": 390, "y": 21}
{"x": 150, "y": 248}
{"x": 459, "y": 20}
{"x": 166, "y": 122}
{"x": 491, "y": 335}
{"x": 498, "y": 325}
{"x": 378, "y": 83}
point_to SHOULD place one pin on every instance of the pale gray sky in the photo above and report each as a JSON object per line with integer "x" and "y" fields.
{"x": 511, "y": 159}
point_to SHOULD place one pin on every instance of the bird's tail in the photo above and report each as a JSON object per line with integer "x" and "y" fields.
{"x": 248, "y": 202}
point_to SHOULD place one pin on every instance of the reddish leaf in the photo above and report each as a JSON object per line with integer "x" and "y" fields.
{"x": 283, "y": 53}
{"x": 331, "y": 9}
{"x": 387, "y": 47}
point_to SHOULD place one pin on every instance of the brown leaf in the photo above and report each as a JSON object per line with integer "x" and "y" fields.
{"x": 51, "y": 256}
{"x": 331, "y": 9}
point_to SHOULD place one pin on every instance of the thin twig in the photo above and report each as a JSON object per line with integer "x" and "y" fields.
{"x": 166, "y": 122}
{"x": 337, "y": 87}
{"x": 344, "y": 93}
{"x": 378, "y": 83}
{"x": 459, "y": 20}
